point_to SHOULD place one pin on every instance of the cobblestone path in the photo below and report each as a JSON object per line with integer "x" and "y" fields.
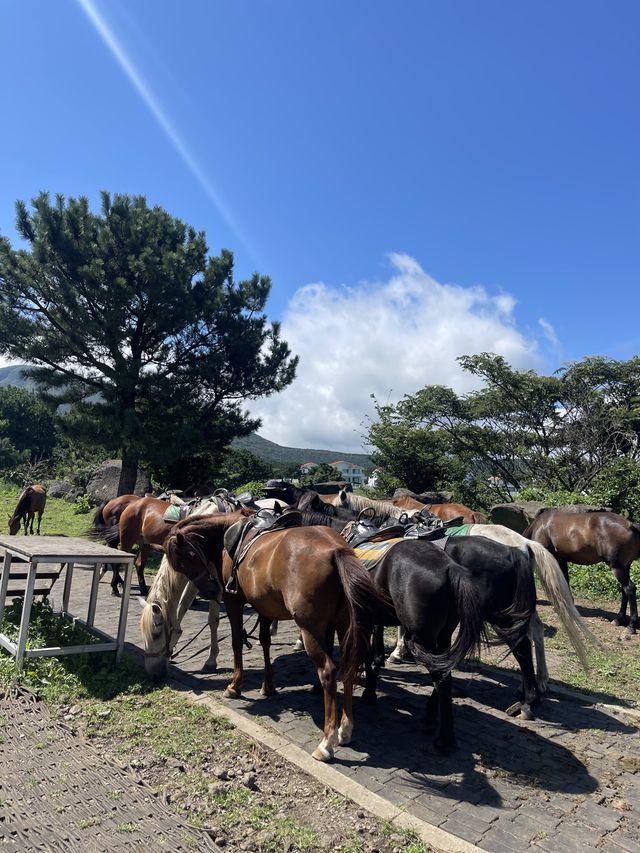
{"x": 567, "y": 781}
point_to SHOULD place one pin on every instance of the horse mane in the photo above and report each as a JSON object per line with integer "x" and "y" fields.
{"x": 166, "y": 586}
{"x": 23, "y": 502}
{"x": 358, "y": 503}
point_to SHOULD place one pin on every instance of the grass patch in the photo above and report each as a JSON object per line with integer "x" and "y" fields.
{"x": 597, "y": 583}
{"x": 614, "y": 668}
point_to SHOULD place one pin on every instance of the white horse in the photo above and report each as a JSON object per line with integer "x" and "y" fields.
{"x": 169, "y": 598}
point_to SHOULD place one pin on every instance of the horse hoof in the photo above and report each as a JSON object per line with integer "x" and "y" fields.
{"x": 267, "y": 690}
{"x": 321, "y": 754}
{"x": 298, "y": 646}
{"x": 115, "y": 592}
{"x": 394, "y": 658}
{"x": 630, "y": 632}
{"x": 620, "y": 621}
{"x": 232, "y": 693}
{"x": 526, "y": 714}
{"x": 209, "y": 668}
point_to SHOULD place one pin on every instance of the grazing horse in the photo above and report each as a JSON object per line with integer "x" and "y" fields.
{"x": 169, "y": 598}
{"x": 31, "y": 501}
{"x": 447, "y": 512}
{"x": 432, "y": 594}
{"x": 586, "y": 538}
{"x": 308, "y": 574}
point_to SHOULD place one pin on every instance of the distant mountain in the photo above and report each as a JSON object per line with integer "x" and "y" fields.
{"x": 262, "y": 447}
{"x": 272, "y": 452}
{"x": 13, "y": 376}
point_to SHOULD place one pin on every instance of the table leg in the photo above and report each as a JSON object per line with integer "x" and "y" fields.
{"x": 4, "y": 583}
{"x": 94, "y": 595}
{"x": 124, "y": 608}
{"x": 67, "y": 588}
{"x": 26, "y": 614}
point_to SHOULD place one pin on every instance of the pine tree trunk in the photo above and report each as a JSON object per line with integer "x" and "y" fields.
{"x": 128, "y": 474}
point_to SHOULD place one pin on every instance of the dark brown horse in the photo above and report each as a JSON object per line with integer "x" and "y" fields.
{"x": 308, "y": 574}
{"x": 586, "y": 538}
{"x": 31, "y": 502}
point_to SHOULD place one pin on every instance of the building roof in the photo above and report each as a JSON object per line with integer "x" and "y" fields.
{"x": 309, "y": 465}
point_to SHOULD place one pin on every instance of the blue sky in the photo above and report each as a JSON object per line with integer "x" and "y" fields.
{"x": 388, "y": 164}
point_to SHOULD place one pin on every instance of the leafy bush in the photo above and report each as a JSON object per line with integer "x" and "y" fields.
{"x": 559, "y": 497}
{"x": 618, "y": 487}
{"x": 597, "y": 582}
{"x": 81, "y": 505}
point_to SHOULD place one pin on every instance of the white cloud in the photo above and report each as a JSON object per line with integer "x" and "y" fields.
{"x": 385, "y": 338}
{"x": 549, "y": 332}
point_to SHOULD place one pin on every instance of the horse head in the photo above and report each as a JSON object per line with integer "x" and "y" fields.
{"x": 187, "y": 556}
{"x": 159, "y": 635}
{"x": 14, "y": 524}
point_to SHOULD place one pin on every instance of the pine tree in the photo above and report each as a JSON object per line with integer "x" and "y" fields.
{"x": 125, "y": 316}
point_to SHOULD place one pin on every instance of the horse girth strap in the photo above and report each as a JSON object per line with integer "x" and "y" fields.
{"x": 246, "y": 540}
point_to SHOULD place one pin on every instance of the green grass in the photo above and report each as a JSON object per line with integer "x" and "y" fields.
{"x": 58, "y": 518}
{"x": 598, "y": 583}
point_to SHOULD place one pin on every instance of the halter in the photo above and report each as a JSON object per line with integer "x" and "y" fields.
{"x": 166, "y": 649}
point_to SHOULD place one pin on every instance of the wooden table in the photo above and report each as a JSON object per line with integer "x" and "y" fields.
{"x": 32, "y": 551}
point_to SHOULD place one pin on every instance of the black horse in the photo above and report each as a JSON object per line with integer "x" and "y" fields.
{"x": 472, "y": 582}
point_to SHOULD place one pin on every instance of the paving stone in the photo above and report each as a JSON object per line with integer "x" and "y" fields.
{"x": 462, "y": 830}
{"x": 514, "y": 776}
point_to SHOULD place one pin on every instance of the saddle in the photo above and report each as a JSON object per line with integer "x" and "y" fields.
{"x": 241, "y": 535}
{"x": 423, "y": 525}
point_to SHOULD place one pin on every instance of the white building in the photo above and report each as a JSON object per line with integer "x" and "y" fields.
{"x": 351, "y": 473}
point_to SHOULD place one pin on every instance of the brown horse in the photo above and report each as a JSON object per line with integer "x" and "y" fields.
{"x": 308, "y": 574}
{"x": 446, "y": 512}
{"x": 31, "y": 501}
{"x": 586, "y": 538}
{"x": 106, "y": 526}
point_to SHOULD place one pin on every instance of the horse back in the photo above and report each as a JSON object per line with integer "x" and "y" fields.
{"x": 586, "y": 537}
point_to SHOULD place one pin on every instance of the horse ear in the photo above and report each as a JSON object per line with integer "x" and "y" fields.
{"x": 142, "y": 602}
{"x": 179, "y": 538}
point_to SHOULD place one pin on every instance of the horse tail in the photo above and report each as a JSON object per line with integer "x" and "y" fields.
{"x": 471, "y": 631}
{"x": 520, "y": 612}
{"x": 97, "y": 522}
{"x": 557, "y": 591}
{"x": 364, "y": 601}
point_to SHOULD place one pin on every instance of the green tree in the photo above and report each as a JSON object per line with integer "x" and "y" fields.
{"x": 558, "y": 432}
{"x": 124, "y": 316}
{"x": 241, "y": 466}
{"x": 322, "y": 473}
{"x": 9, "y": 456}
{"x": 30, "y": 422}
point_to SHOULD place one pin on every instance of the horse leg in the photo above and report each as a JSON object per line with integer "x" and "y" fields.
{"x": 211, "y": 663}
{"x": 564, "y": 568}
{"x": 401, "y": 653}
{"x": 141, "y": 559}
{"x": 326, "y": 670}
{"x": 116, "y": 580}
{"x": 536, "y": 636}
{"x": 264, "y": 636}
{"x": 442, "y": 689}
{"x": 345, "y": 731}
{"x": 31, "y": 518}
{"x": 234, "y": 605}
{"x": 373, "y": 664}
{"x": 39, "y": 520}
{"x": 628, "y": 595}
{"x": 529, "y": 697}
{"x": 274, "y": 627}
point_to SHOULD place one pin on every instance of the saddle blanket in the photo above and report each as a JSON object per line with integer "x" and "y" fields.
{"x": 370, "y": 553}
